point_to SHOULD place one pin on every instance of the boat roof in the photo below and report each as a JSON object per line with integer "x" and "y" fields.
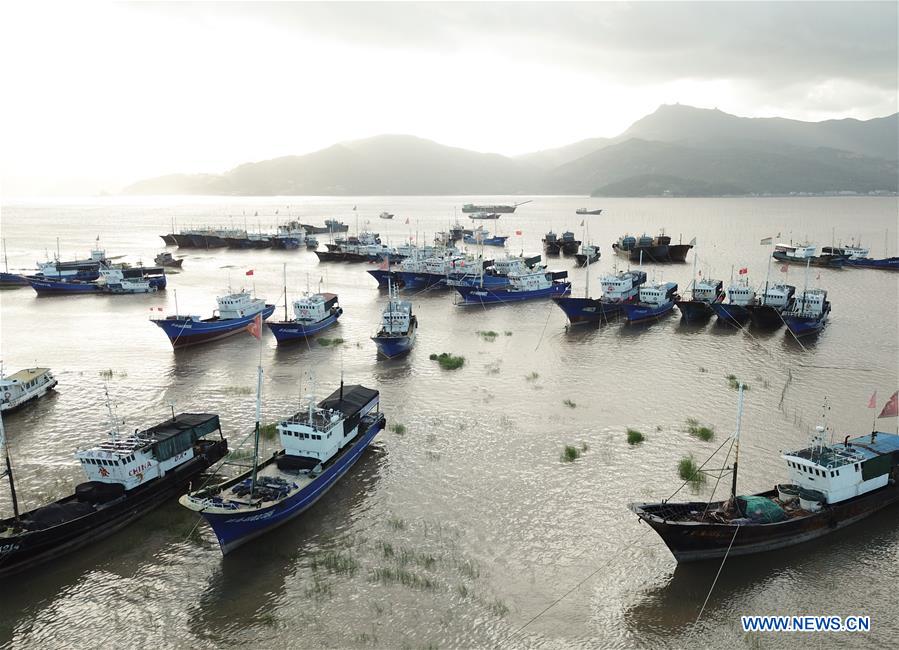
{"x": 26, "y": 375}
{"x": 355, "y": 397}
{"x": 859, "y": 448}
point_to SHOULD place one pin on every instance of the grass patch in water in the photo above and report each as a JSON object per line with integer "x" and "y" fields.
{"x": 396, "y": 523}
{"x": 389, "y": 575}
{"x": 326, "y": 342}
{"x": 335, "y": 562}
{"x": 398, "y": 428}
{"x": 267, "y": 618}
{"x": 688, "y": 470}
{"x": 498, "y": 608}
{"x": 269, "y": 430}
{"x": 319, "y": 589}
{"x": 448, "y": 361}
{"x": 534, "y": 376}
{"x": 704, "y": 433}
{"x": 238, "y": 390}
{"x": 734, "y": 383}
{"x": 569, "y": 403}
{"x": 570, "y": 454}
{"x": 635, "y": 437}
{"x": 469, "y": 569}
{"x": 488, "y": 335}
{"x": 508, "y": 333}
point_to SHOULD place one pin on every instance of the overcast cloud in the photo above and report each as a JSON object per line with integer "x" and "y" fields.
{"x": 115, "y": 92}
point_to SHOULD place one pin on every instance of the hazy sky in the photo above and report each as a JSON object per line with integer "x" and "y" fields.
{"x": 96, "y": 95}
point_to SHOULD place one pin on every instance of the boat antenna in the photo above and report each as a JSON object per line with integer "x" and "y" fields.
{"x": 733, "y": 485}
{"x": 177, "y": 313}
{"x": 767, "y": 275}
{"x": 286, "y": 315}
{"x": 256, "y": 433}
{"x": 172, "y": 405}
{"x": 12, "y": 483}
{"x": 112, "y": 417}
{"x": 5, "y": 258}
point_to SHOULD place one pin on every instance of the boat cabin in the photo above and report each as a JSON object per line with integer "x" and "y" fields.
{"x": 134, "y": 459}
{"x": 396, "y": 318}
{"x": 623, "y": 286}
{"x": 845, "y": 470}
{"x": 238, "y": 305}
{"x": 321, "y": 430}
{"x": 530, "y": 280}
{"x": 314, "y": 308}
{"x": 21, "y": 386}
{"x": 708, "y": 290}
{"x": 810, "y": 303}
{"x": 658, "y": 294}
{"x": 778, "y": 295}
{"x": 741, "y": 294}
{"x": 798, "y": 252}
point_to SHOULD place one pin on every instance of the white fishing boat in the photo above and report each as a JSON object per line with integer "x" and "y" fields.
{"x": 23, "y": 386}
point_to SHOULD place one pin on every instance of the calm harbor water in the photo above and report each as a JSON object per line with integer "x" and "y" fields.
{"x": 461, "y": 530}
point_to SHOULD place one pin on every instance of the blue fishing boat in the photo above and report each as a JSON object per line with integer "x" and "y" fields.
{"x": 312, "y": 314}
{"x": 385, "y": 277}
{"x": 857, "y": 257}
{"x": 653, "y": 302}
{"x": 61, "y": 287}
{"x": 398, "y": 327}
{"x": 10, "y": 280}
{"x": 86, "y": 269}
{"x": 235, "y": 312}
{"x": 480, "y": 236}
{"x": 320, "y": 444}
{"x": 766, "y": 312}
{"x": 806, "y": 254}
{"x": 493, "y": 273}
{"x": 703, "y": 296}
{"x": 529, "y": 285}
{"x": 618, "y": 289}
{"x": 419, "y": 273}
{"x": 808, "y": 314}
{"x": 589, "y": 255}
{"x": 740, "y": 296}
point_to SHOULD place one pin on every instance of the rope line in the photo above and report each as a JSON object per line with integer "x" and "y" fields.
{"x": 717, "y": 575}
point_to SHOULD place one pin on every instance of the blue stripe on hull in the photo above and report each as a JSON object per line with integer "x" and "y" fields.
{"x": 52, "y": 287}
{"x": 637, "y": 313}
{"x": 392, "y": 347}
{"x": 237, "y": 529}
{"x": 889, "y": 263}
{"x": 416, "y": 281}
{"x": 486, "y": 295}
{"x": 804, "y": 326}
{"x": 588, "y": 310}
{"x": 292, "y": 331}
{"x": 478, "y": 281}
{"x": 184, "y": 332}
{"x": 695, "y": 310}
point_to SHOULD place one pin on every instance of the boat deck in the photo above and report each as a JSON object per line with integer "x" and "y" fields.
{"x": 24, "y": 376}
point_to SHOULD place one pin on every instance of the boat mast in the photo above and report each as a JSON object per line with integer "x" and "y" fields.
{"x": 12, "y": 483}
{"x": 767, "y": 275}
{"x": 286, "y": 315}
{"x": 805, "y": 287}
{"x": 256, "y": 434}
{"x": 733, "y": 485}
{"x": 587, "y": 284}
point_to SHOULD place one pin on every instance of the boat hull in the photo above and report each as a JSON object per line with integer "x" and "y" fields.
{"x": 232, "y": 531}
{"x": 498, "y": 295}
{"x": 415, "y": 281}
{"x": 765, "y": 317}
{"x": 636, "y": 312}
{"x": 169, "y": 239}
{"x": 582, "y": 259}
{"x": 694, "y": 310}
{"x": 888, "y": 264}
{"x": 805, "y": 326}
{"x": 826, "y": 261}
{"x": 695, "y": 541}
{"x": 570, "y": 247}
{"x": 10, "y": 406}
{"x": 287, "y": 331}
{"x": 183, "y": 332}
{"x": 12, "y": 280}
{"x": 22, "y": 552}
{"x": 731, "y": 314}
{"x": 62, "y": 288}
{"x": 589, "y": 310}
{"x": 678, "y": 252}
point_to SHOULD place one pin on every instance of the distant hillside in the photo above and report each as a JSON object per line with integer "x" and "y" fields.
{"x": 695, "y": 151}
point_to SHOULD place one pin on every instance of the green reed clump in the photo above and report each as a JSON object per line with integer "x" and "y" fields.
{"x": 398, "y": 428}
{"x": 734, "y": 383}
{"x": 570, "y": 454}
{"x": 388, "y": 575}
{"x": 688, "y": 470}
{"x": 508, "y": 333}
{"x": 634, "y": 437}
{"x": 448, "y": 361}
{"x": 396, "y": 523}
{"x": 336, "y": 562}
{"x": 488, "y": 335}
{"x": 107, "y": 374}
{"x": 269, "y": 430}
{"x": 326, "y": 342}
{"x": 498, "y": 608}
{"x": 569, "y": 403}
{"x": 704, "y": 433}
{"x": 534, "y": 376}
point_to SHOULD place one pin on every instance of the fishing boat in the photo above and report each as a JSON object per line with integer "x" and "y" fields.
{"x": 331, "y": 226}
{"x": 423, "y": 273}
{"x": 484, "y": 215}
{"x": 589, "y": 255}
{"x": 311, "y": 242}
{"x": 128, "y": 475}
{"x": 493, "y": 273}
{"x": 500, "y": 209}
{"x": 168, "y": 260}
{"x": 21, "y": 387}
{"x": 653, "y": 302}
{"x": 115, "y": 281}
{"x": 482, "y": 237}
{"x": 320, "y": 444}
{"x": 586, "y": 211}
{"x": 399, "y": 326}
{"x": 289, "y": 236}
{"x": 84, "y": 269}
{"x": 311, "y": 314}
{"x": 618, "y": 289}
{"x": 703, "y": 295}
{"x": 385, "y": 215}
{"x": 775, "y": 299}
{"x": 858, "y": 257}
{"x": 678, "y": 252}
{"x": 10, "y": 280}
{"x": 806, "y": 255}
{"x": 456, "y": 231}
{"x": 551, "y": 243}
{"x": 61, "y": 287}
{"x": 831, "y": 485}
{"x": 643, "y": 248}
{"x": 808, "y": 313}
{"x": 528, "y": 285}
{"x": 740, "y": 296}
{"x": 235, "y": 312}
{"x": 568, "y": 245}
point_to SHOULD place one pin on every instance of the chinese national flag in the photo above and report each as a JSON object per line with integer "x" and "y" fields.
{"x": 744, "y": 271}
{"x": 255, "y": 326}
{"x": 891, "y": 408}
{"x": 250, "y": 272}
{"x": 872, "y": 403}
{"x": 517, "y": 232}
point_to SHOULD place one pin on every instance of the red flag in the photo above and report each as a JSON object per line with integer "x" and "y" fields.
{"x": 744, "y": 271}
{"x": 255, "y": 326}
{"x": 872, "y": 403}
{"x": 250, "y": 272}
{"x": 517, "y": 232}
{"x": 891, "y": 408}
{"x": 159, "y": 309}
{"x": 783, "y": 269}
